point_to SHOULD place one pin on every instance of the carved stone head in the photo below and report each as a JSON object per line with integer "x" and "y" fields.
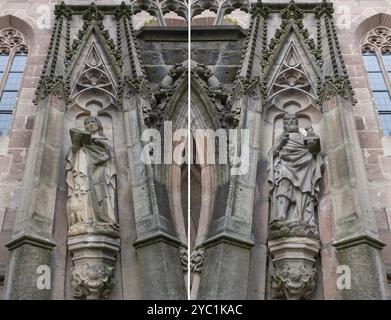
{"x": 93, "y": 125}
{"x": 291, "y": 123}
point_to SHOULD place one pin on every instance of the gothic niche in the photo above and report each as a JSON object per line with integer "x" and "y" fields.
{"x": 93, "y": 230}
{"x": 294, "y": 174}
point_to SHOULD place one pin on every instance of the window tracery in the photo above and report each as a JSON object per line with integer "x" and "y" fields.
{"x": 13, "y": 57}
{"x": 376, "y": 51}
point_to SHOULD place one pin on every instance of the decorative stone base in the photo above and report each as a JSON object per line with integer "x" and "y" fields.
{"x": 93, "y": 259}
{"x": 295, "y": 228}
{"x": 94, "y": 228}
{"x": 294, "y": 272}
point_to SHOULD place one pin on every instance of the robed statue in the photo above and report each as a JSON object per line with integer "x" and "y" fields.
{"x": 295, "y": 170}
{"x": 91, "y": 180}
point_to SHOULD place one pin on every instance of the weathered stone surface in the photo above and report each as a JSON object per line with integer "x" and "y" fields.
{"x": 161, "y": 274}
{"x": 226, "y": 266}
{"x": 354, "y": 196}
{"x": 363, "y": 259}
{"x": 27, "y": 254}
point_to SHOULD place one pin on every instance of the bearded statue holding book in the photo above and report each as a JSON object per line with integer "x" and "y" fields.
{"x": 295, "y": 171}
{"x": 90, "y": 176}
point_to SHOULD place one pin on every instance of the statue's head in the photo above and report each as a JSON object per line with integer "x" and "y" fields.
{"x": 93, "y": 125}
{"x": 291, "y": 123}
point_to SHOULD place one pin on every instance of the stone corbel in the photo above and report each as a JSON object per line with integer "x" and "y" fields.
{"x": 93, "y": 259}
{"x": 294, "y": 272}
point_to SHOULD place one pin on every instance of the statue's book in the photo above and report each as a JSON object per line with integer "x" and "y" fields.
{"x": 80, "y": 137}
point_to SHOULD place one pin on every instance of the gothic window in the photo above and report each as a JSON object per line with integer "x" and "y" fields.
{"x": 376, "y": 49}
{"x": 13, "y": 57}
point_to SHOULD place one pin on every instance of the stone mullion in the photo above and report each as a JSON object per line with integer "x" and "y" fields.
{"x": 6, "y": 70}
{"x": 384, "y": 70}
{"x": 160, "y": 16}
{"x": 219, "y": 15}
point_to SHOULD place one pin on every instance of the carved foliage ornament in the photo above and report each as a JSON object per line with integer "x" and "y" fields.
{"x": 197, "y": 259}
{"x": 216, "y": 92}
{"x": 259, "y": 9}
{"x": 291, "y": 14}
{"x": 93, "y": 16}
{"x": 293, "y": 281}
{"x": 92, "y": 281}
{"x": 183, "y": 258}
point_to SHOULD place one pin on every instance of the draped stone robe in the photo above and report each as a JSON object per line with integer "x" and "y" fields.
{"x": 91, "y": 180}
{"x": 294, "y": 173}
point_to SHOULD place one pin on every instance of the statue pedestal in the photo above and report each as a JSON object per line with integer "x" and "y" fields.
{"x": 294, "y": 271}
{"x": 93, "y": 258}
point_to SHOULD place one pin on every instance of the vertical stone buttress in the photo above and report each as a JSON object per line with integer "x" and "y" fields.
{"x": 32, "y": 240}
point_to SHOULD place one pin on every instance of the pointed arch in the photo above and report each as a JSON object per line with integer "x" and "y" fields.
{"x": 292, "y": 81}
{"x": 375, "y": 47}
{"x": 292, "y": 38}
{"x": 380, "y": 19}
{"x": 203, "y": 110}
{"x": 93, "y": 36}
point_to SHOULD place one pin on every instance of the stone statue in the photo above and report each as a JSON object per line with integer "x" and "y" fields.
{"x": 90, "y": 176}
{"x": 295, "y": 167}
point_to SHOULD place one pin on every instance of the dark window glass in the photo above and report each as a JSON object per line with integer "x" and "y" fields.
{"x": 377, "y": 81}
